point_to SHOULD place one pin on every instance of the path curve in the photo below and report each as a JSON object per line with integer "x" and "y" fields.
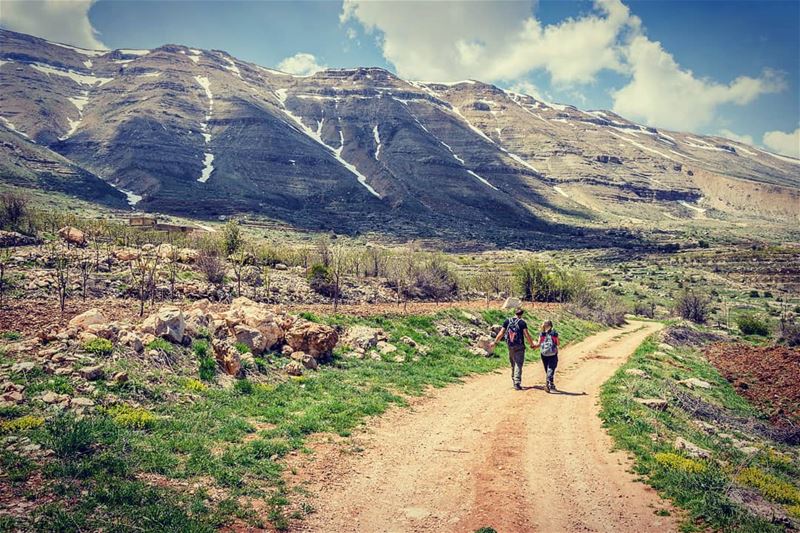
{"x": 481, "y": 454}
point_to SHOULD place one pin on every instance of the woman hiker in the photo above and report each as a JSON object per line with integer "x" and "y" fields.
{"x": 515, "y": 331}
{"x": 548, "y": 343}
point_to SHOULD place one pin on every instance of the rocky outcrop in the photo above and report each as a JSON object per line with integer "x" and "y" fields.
{"x": 72, "y": 236}
{"x": 317, "y": 340}
{"x": 168, "y": 323}
{"x": 12, "y": 239}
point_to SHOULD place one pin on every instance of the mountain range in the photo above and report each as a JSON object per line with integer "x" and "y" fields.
{"x": 201, "y": 133}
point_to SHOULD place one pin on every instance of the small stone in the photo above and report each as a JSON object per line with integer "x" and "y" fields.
{"x": 386, "y": 348}
{"x": 64, "y": 371}
{"x": 51, "y": 397}
{"x": 691, "y": 449}
{"x": 408, "y": 341}
{"x": 657, "y": 404}
{"x": 91, "y": 373}
{"x": 25, "y": 366}
{"x": 399, "y": 358}
{"x": 81, "y": 402}
{"x": 120, "y": 377}
{"x": 638, "y": 372}
{"x": 12, "y": 397}
{"x": 31, "y": 448}
{"x": 666, "y": 347}
{"x": 695, "y": 383}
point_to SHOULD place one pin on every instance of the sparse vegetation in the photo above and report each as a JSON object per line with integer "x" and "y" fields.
{"x": 752, "y": 325}
{"x": 99, "y": 346}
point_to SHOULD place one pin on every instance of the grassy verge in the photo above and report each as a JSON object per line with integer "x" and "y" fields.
{"x": 169, "y": 452}
{"x": 740, "y": 467}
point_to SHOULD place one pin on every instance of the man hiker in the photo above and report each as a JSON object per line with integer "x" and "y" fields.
{"x": 515, "y": 332}
{"x": 548, "y": 343}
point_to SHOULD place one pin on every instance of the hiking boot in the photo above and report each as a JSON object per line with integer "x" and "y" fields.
{"x": 547, "y": 387}
{"x": 553, "y": 386}
{"x": 517, "y": 386}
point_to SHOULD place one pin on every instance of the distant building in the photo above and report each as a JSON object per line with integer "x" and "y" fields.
{"x": 151, "y": 223}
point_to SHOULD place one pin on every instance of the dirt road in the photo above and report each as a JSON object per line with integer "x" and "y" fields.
{"x": 481, "y": 454}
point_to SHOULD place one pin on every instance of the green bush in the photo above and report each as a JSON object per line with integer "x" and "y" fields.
{"x": 243, "y": 386}
{"x": 208, "y": 368}
{"x": 161, "y": 345}
{"x": 11, "y": 335}
{"x": 200, "y": 348}
{"x": 537, "y": 282}
{"x": 99, "y": 346}
{"x": 242, "y": 348}
{"x": 131, "y": 417}
{"x": 752, "y": 325}
{"x": 321, "y": 281}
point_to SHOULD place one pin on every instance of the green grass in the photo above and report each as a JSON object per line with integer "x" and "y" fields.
{"x": 98, "y": 346}
{"x": 234, "y": 439}
{"x": 697, "y": 485}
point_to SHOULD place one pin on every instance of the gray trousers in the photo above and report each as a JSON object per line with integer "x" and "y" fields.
{"x": 516, "y": 356}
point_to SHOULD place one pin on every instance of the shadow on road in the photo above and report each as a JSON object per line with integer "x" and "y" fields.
{"x": 562, "y": 392}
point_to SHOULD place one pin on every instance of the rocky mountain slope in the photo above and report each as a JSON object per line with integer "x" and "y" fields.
{"x": 200, "y": 133}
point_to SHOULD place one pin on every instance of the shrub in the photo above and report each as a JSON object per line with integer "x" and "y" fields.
{"x": 261, "y": 364}
{"x": 242, "y": 348}
{"x": 789, "y": 331}
{"x": 752, "y": 325}
{"x": 21, "y": 424}
{"x": 232, "y": 237}
{"x": 14, "y": 213}
{"x": 678, "y": 462}
{"x": 432, "y": 279}
{"x": 99, "y": 346}
{"x": 693, "y": 305}
{"x": 69, "y": 436}
{"x": 536, "y": 282}
{"x": 612, "y": 311}
{"x": 200, "y": 348}
{"x": 211, "y": 266}
{"x": 645, "y": 309}
{"x": 208, "y": 368}
{"x": 195, "y": 385}
{"x": 321, "y": 281}
{"x": 161, "y": 345}
{"x": 132, "y": 417}
{"x": 243, "y": 386}
{"x": 11, "y": 335}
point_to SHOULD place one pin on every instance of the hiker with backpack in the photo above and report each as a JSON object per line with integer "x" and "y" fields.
{"x": 548, "y": 344}
{"x": 515, "y": 331}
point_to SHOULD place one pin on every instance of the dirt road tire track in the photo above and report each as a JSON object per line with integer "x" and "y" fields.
{"x": 481, "y": 454}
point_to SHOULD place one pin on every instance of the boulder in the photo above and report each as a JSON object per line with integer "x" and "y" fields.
{"x": 306, "y": 360}
{"x": 250, "y": 337}
{"x": 363, "y": 337}
{"x": 483, "y": 347}
{"x": 126, "y": 255}
{"x": 386, "y": 348}
{"x": 72, "y": 235}
{"x": 108, "y": 331}
{"x": 12, "y": 397}
{"x": 690, "y": 449}
{"x": 92, "y": 317}
{"x": 658, "y": 404}
{"x": 317, "y": 340}
{"x": 408, "y": 341}
{"x": 168, "y": 322}
{"x": 399, "y": 358}
{"x": 187, "y": 255}
{"x": 472, "y": 319}
{"x": 119, "y": 377}
{"x": 512, "y": 303}
{"x": 259, "y": 316}
{"x": 227, "y": 357}
{"x": 132, "y": 340}
{"x": 293, "y": 368}
{"x": 281, "y": 266}
{"x": 91, "y": 373}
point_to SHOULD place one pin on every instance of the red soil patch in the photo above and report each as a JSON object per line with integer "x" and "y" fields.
{"x": 767, "y": 377}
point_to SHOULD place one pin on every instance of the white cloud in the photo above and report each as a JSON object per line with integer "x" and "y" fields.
{"x": 351, "y": 33}
{"x": 661, "y": 93}
{"x": 783, "y": 143}
{"x": 63, "y": 21}
{"x": 728, "y": 134}
{"x": 448, "y": 41}
{"x": 526, "y": 87}
{"x": 302, "y": 64}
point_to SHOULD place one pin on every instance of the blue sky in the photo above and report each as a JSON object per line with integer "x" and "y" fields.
{"x": 705, "y": 66}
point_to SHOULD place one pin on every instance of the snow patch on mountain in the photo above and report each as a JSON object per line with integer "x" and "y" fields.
{"x": 377, "y": 137}
{"x": 482, "y": 180}
{"x": 90, "y": 53}
{"x": 10, "y": 125}
{"x": 83, "y": 79}
{"x": 316, "y": 135}
{"x": 79, "y": 102}
{"x": 208, "y": 157}
{"x": 560, "y": 191}
{"x": 231, "y": 66}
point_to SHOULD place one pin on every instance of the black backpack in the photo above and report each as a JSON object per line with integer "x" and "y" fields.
{"x": 514, "y": 332}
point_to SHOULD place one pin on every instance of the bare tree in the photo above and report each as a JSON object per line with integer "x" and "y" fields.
{"x": 266, "y": 280}
{"x": 173, "y": 267}
{"x": 85, "y": 266}
{"x": 240, "y": 258}
{"x": 60, "y": 260}
{"x": 340, "y": 260}
{"x": 143, "y": 271}
{"x": 324, "y": 251}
